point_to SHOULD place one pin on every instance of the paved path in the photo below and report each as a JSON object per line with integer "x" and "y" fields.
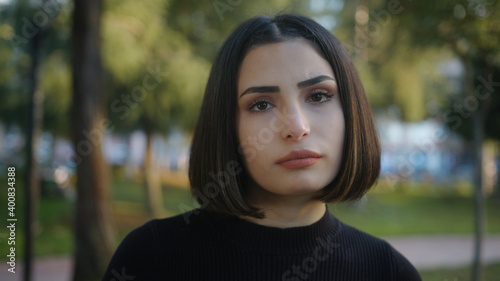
{"x": 435, "y": 251}
{"x": 425, "y": 252}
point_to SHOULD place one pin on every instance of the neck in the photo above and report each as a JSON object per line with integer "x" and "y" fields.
{"x": 286, "y": 211}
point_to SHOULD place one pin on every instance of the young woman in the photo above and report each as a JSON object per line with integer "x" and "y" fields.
{"x": 284, "y": 128}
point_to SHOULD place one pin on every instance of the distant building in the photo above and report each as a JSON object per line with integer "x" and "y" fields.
{"x": 424, "y": 151}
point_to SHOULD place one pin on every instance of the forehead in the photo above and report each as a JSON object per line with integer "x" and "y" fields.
{"x": 289, "y": 61}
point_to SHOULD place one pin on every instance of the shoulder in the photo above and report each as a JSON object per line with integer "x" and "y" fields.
{"x": 181, "y": 226}
{"x": 403, "y": 269}
{"x": 148, "y": 234}
{"x": 357, "y": 239}
{"x": 132, "y": 257}
{"x": 145, "y": 248}
{"x": 378, "y": 252}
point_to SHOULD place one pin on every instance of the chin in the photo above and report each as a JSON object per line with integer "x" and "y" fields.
{"x": 299, "y": 187}
{"x": 306, "y": 189}
{"x": 296, "y": 183}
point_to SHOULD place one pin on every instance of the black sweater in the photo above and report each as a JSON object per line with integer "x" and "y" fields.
{"x": 201, "y": 245}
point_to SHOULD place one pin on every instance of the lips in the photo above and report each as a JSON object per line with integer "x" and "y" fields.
{"x": 299, "y": 159}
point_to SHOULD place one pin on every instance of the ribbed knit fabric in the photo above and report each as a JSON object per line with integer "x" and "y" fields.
{"x": 201, "y": 245}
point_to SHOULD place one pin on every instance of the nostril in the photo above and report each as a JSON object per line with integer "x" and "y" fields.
{"x": 297, "y": 136}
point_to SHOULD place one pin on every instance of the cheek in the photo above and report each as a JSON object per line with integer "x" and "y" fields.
{"x": 246, "y": 137}
{"x": 338, "y": 138}
{"x": 332, "y": 132}
{"x": 338, "y": 127}
{"x": 338, "y": 130}
{"x": 256, "y": 139}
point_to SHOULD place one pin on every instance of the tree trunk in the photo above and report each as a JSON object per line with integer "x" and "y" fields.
{"x": 152, "y": 185}
{"x": 496, "y": 191}
{"x": 478, "y": 195}
{"x": 34, "y": 129}
{"x": 478, "y": 137}
{"x": 93, "y": 232}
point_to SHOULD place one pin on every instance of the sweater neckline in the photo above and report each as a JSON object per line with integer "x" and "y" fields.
{"x": 254, "y": 237}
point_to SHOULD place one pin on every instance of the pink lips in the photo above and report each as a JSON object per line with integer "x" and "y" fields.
{"x": 299, "y": 159}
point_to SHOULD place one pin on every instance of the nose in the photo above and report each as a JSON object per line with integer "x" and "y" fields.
{"x": 297, "y": 124}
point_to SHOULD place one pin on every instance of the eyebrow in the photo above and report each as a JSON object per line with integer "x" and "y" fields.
{"x": 276, "y": 89}
{"x": 262, "y": 89}
{"x": 312, "y": 81}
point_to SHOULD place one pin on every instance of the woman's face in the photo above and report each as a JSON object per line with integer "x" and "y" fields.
{"x": 290, "y": 120}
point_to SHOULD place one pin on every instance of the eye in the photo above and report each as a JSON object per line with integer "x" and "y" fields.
{"x": 320, "y": 96}
{"x": 260, "y": 106}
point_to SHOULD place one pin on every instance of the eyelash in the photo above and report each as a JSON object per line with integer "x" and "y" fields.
{"x": 255, "y": 103}
{"x": 324, "y": 93}
{"x": 321, "y": 92}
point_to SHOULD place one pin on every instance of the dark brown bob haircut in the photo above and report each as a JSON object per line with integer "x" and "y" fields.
{"x": 216, "y": 171}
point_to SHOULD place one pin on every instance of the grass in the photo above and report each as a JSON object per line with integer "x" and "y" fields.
{"x": 384, "y": 214}
{"x": 53, "y": 230}
{"x": 380, "y": 214}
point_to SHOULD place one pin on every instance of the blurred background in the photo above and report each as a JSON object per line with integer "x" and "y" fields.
{"x": 99, "y": 99}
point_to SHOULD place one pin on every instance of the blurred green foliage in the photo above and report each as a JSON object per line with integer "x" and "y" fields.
{"x": 400, "y": 49}
{"x": 174, "y": 40}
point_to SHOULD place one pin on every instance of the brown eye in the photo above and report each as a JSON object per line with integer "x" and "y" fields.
{"x": 320, "y": 97}
{"x": 262, "y": 105}
{"x": 317, "y": 97}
